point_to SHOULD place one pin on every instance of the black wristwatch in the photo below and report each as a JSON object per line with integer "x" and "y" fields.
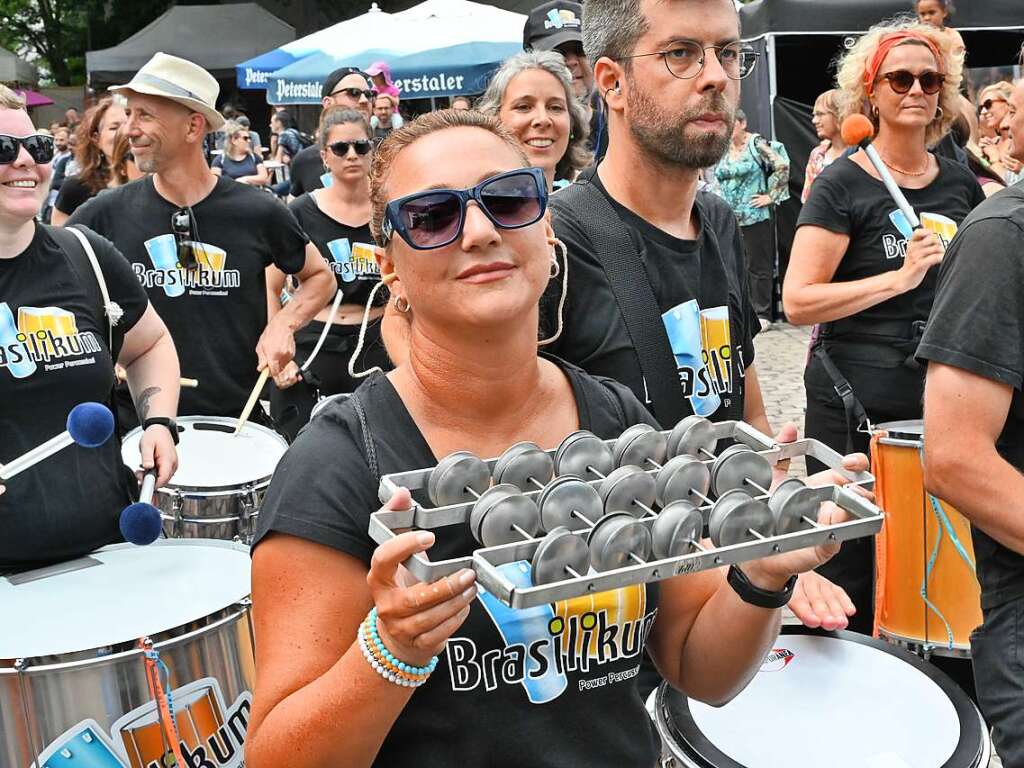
{"x": 762, "y": 598}
{"x": 163, "y": 421}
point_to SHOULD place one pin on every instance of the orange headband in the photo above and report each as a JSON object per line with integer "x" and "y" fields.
{"x": 889, "y": 42}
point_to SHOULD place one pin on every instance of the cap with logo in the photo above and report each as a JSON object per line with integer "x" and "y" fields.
{"x": 553, "y": 24}
{"x": 179, "y": 80}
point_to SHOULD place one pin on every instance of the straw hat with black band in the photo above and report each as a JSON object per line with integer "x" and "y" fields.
{"x": 179, "y": 80}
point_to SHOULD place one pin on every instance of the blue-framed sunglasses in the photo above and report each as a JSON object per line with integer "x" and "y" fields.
{"x": 435, "y": 218}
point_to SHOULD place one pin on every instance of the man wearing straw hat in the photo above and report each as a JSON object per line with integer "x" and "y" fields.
{"x": 199, "y": 244}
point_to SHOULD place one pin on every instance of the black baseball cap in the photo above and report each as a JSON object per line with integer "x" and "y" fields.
{"x": 337, "y": 75}
{"x": 553, "y": 24}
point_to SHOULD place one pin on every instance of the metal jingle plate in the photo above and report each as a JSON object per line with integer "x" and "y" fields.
{"x": 626, "y": 486}
{"x": 496, "y": 526}
{"x": 581, "y": 450}
{"x": 564, "y": 495}
{"x": 681, "y": 475}
{"x": 638, "y": 444}
{"x": 783, "y": 491}
{"x": 694, "y": 433}
{"x": 615, "y": 538}
{"x": 560, "y": 548}
{"x": 453, "y": 474}
{"x": 678, "y": 524}
{"x": 526, "y": 463}
{"x": 483, "y": 505}
{"x": 736, "y": 524}
{"x": 731, "y": 472}
{"x": 721, "y": 509}
{"x": 790, "y": 514}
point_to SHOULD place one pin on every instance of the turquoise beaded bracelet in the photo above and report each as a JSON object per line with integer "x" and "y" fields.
{"x": 401, "y": 665}
{"x": 380, "y": 658}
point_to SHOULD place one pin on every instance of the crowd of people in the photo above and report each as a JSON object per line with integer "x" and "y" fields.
{"x": 603, "y": 198}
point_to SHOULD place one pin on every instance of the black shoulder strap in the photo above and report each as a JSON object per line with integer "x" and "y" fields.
{"x": 620, "y": 260}
{"x": 364, "y": 427}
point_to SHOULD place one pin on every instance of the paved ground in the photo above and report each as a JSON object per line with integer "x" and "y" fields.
{"x": 780, "y": 355}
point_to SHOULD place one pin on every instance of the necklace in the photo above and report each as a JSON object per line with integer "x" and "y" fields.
{"x": 927, "y": 164}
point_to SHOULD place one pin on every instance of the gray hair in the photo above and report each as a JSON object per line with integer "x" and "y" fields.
{"x": 611, "y": 28}
{"x": 576, "y": 156}
{"x": 340, "y": 116}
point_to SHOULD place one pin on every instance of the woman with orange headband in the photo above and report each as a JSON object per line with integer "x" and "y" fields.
{"x": 859, "y": 269}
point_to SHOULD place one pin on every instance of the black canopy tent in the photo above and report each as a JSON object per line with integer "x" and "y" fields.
{"x": 800, "y": 41}
{"x": 216, "y": 37}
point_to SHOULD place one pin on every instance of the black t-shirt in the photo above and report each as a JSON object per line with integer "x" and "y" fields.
{"x": 349, "y": 250}
{"x": 307, "y": 171}
{"x": 847, "y": 200}
{"x": 236, "y": 169}
{"x": 73, "y": 194}
{"x": 700, "y": 287}
{"x": 977, "y": 324}
{"x": 506, "y": 691}
{"x": 215, "y": 314}
{"x": 54, "y": 354}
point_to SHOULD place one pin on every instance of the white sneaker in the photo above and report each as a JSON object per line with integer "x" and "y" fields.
{"x": 765, "y": 324}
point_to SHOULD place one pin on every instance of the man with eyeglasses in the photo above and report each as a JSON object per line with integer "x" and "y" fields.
{"x": 657, "y": 294}
{"x": 974, "y": 419}
{"x": 200, "y": 244}
{"x": 345, "y": 87}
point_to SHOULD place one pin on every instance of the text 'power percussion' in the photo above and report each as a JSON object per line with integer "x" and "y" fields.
{"x": 928, "y": 596}
{"x": 595, "y": 515}
{"x": 221, "y": 478}
{"x": 128, "y": 658}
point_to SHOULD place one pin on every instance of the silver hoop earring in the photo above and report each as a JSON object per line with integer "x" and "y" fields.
{"x": 874, "y": 111}
{"x": 939, "y": 113}
{"x": 399, "y": 301}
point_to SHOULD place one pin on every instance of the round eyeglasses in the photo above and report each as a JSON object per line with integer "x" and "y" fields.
{"x": 685, "y": 59}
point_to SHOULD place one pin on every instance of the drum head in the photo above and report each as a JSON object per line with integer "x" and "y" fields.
{"x": 323, "y": 402}
{"x": 212, "y": 458}
{"x": 912, "y": 429}
{"x": 119, "y": 594}
{"x": 837, "y": 699}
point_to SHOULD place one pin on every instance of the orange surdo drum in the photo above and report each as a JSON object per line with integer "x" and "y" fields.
{"x": 928, "y": 596}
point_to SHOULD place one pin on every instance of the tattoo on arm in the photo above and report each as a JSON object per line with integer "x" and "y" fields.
{"x": 142, "y": 404}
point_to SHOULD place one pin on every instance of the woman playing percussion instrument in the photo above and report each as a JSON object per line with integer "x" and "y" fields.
{"x": 336, "y": 218}
{"x": 532, "y": 96}
{"x": 859, "y": 269}
{"x": 461, "y": 219}
{"x": 55, "y": 354}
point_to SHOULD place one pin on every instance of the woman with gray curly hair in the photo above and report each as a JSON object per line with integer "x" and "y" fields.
{"x": 857, "y": 266}
{"x": 531, "y": 94}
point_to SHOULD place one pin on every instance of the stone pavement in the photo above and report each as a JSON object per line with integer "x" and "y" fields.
{"x": 780, "y": 354}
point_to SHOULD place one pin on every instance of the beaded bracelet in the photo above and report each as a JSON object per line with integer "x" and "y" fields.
{"x": 384, "y": 662}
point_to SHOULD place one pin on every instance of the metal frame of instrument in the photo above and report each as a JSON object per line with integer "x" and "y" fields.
{"x": 384, "y": 525}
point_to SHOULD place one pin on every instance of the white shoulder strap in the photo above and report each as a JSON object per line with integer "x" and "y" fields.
{"x": 110, "y": 308}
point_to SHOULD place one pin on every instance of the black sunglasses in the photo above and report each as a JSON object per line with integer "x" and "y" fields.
{"x": 987, "y": 104}
{"x": 340, "y": 148}
{"x": 355, "y": 93}
{"x": 181, "y": 225}
{"x": 434, "y": 218}
{"x": 901, "y": 81}
{"x": 39, "y": 147}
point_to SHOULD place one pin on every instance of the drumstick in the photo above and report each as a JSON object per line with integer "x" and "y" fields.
{"x": 264, "y": 374}
{"x": 857, "y": 130}
{"x": 89, "y": 424}
{"x": 190, "y": 383}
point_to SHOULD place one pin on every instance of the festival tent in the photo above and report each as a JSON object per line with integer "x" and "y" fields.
{"x": 800, "y": 41}
{"x": 214, "y": 36}
{"x": 253, "y": 73}
{"x": 436, "y": 48}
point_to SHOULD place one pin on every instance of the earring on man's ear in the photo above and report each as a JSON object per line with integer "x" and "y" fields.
{"x": 399, "y": 300}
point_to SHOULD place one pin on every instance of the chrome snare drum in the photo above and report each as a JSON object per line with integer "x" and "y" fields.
{"x": 128, "y": 658}
{"x": 221, "y": 478}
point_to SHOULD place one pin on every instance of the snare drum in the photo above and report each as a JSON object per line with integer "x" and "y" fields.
{"x": 74, "y": 688}
{"x": 928, "y": 595}
{"x": 838, "y": 699}
{"x": 221, "y": 478}
{"x": 323, "y": 402}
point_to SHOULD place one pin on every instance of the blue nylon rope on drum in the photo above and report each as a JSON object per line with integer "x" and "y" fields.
{"x": 154, "y": 655}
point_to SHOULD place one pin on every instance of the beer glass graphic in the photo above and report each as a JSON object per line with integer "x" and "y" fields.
{"x": 716, "y": 339}
{"x": 683, "y": 325}
{"x": 163, "y": 252}
{"x": 38, "y": 321}
{"x": 941, "y": 225}
{"x": 341, "y": 252}
{"x": 9, "y": 338}
{"x": 364, "y": 260}
{"x": 210, "y": 256}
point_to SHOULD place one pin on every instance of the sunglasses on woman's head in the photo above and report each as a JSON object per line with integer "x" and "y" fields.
{"x": 901, "y": 81}
{"x": 340, "y": 148}
{"x": 39, "y": 147}
{"x": 986, "y": 105}
{"x": 435, "y": 218}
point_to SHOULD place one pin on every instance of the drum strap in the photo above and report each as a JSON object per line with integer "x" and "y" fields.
{"x": 856, "y": 416}
{"x": 364, "y": 427}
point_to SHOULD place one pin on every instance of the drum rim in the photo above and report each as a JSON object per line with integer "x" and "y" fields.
{"x": 205, "y": 491}
{"x": 910, "y": 430}
{"x": 691, "y": 740}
